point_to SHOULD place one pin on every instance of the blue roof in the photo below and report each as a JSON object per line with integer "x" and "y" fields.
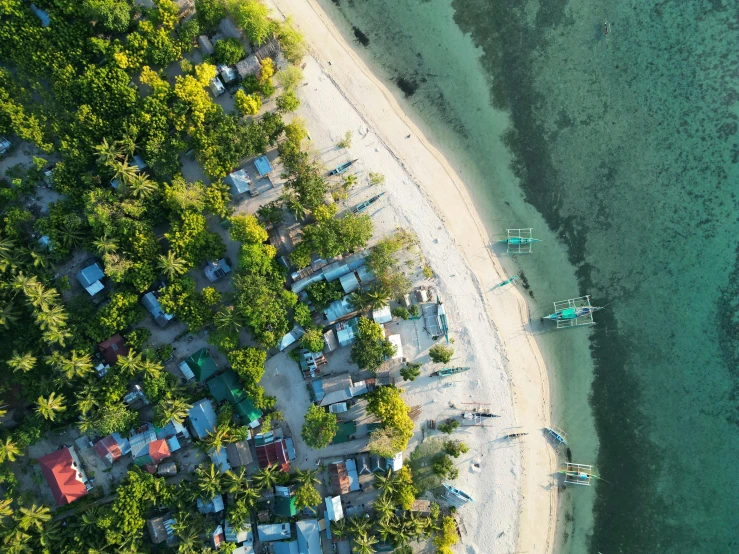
{"x": 90, "y": 275}
{"x": 263, "y": 166}
{"x": 42, "y": 15}
{"x": 274, "y": 532}
{"x": 309, "y": 541}
{"x": 286, "y": 547}
{"x": 203, "y": 418}
{"x": 338, "y": 309}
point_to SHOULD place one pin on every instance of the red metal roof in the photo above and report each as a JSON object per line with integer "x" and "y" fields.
{"x": 339, "y": 478}
{"x": 107, "y": 448}
{"x": 61, "y": 475}
{"x": 112, "y": 348}
{"x": 158, "y": 450}
{"x": 274, "y": 453}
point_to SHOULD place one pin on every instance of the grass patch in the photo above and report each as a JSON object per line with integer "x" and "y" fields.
{"x": 421, "y": 463}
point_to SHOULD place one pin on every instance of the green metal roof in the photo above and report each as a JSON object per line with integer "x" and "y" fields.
{"x": 246, "y": 410}
{"x": 346, "y": 429}
{"x": 285, "y": 506}
{"x": 227, "y": 386}
{"x": 202, "y": 365}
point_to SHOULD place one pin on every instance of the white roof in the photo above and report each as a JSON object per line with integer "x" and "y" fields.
{"x": 334, "y": 511}
{"x": 216, "y": 86}
{"x": 95, "y": 288}
{"x": 382, "y": 315}
{"x": 186, "y": 371}
{"x": 396, "y": 462}
{"x": 395, "y": 339}
{"x": 351, "y": 470}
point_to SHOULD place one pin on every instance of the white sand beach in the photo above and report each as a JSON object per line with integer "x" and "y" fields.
{"x": 512, "y": 481}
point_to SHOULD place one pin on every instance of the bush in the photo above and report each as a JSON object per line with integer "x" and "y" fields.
{"x": 288, "y": 101}
{"x": 455, "y": 448}
{"x": 449, "y": 426}
{"x": 441, "y": 354}
{"x": 371, "y": 349}
{"x": 137, "y": 338}
{"x": 312, "y": 340}
{"x": 229, "y": 51}
{"x": 346, "y": 142}
{"x": 319, "y": 428}
{"x": 400, "y": 312}
{"x": 414, "y": 311}
{"x": 444, "y": 466}
{"x": 164, "y": 352}
{"x": 410, "y": 371}
{"x": 247, "y": 104}
{"x": 302, "y": 315}
{"x": 290, "y": 77}
{"x": 321, "y": 294}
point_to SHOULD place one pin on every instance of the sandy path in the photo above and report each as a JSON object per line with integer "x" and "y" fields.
{"x": 437, "y": 181}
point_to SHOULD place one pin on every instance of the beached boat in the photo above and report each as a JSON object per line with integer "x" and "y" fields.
{"x": 573, "y": 312}
{"x": 578, "y": 474}
{"x": 447, "y": 371}
{"x": 339, "y": 169}
{"x": 455, "y": 495}
{"x": 516, "y": 435}
{"x": 359, "y": 208}
{"x": 557, "y": 433}
{"x": 519, "y": 241}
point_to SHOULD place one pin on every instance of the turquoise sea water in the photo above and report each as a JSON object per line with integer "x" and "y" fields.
{"x": 622, "y": 151}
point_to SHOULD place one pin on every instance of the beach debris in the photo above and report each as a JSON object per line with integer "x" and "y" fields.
{"x": 578, "y": 474}
{"x": 573, "y": 312}
{"x": 519, "y": 241}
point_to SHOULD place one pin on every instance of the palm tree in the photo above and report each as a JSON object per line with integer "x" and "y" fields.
{"x": 131, "y": 363}
{"x": 210, "y": 481}
{"x": 292, "y": 202}
{"x": 42, "y": 298}
{"x": 105, "y": 245}
{"x": 377, "y": 297}
{"x": 386, "y": 483}
{"x": 358, "y": 525}
{"x": 171, "y": 266}
{"x": 22, "y": 362}
{"x": 56, "y": 335}
{"x": 8, "y": 313}
{"x": 40, "y": 259}
{"x": 107, "y": 153}
{"x": 363, "y": 544}
{"x": 386, "y": 530}
{"x": 306, "y": 476}
{"x": 171, "y": 409}
{"x": 151, "y": 369}
{"x": 70, "y": 233}
{"x": 88, "y": 398}
{"x": 88, "y": 522}
{"x": 87, "y": 423}
{"x": 340, "y": 529}
{"x": 228, "y": 319}
{"x": 141, "y": 186}
{"x": 267, "y": 477}
{"x": 5, "y": 509}
{"x": 16, "y": 542}
{"x": 217, "y": 439}
{"x": 50, "y": 535}
{"x": 35, "y": 516}
{"x": 124, "y": 172}
{"x": 7, "y": 246}
{"x": 127, "y": 144}
{"x": 8, "y": 450}
{"x": 384, "y": 507}
{"x": 77, "y": 365}
{"x": 48, "y": 407}
{"x": 54, "y": 318}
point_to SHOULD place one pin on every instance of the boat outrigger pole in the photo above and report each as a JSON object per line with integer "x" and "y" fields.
{"x": 573, "y": 312}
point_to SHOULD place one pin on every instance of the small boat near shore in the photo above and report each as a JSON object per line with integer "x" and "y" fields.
{"x": 359, "y": 208}
{"x": 578, "y": 474}
{"x": 519, "y": 241}
{"x": 573, "y": 312}
{"x": 339, "y": 169}
{"x": 557, "y": 434}
{"x": 447, "y": 371}
{"x": 456, "y": 495}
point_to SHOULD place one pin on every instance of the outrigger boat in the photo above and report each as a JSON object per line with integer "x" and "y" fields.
{"x": 339, "y": 169}
{"x": 578, "y": 474}
{"x": 519, "y": 241}
{"x": 559, "y": 435}
{"x": 515, "y": 435}
{"x": 447, "y": 371}
{"x": 359, "y": 208}
{"x": 573, "y": 312}
{"x": 507, "y": 282}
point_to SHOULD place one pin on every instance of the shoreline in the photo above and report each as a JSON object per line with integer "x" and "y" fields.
{"x": 525, "y": 367}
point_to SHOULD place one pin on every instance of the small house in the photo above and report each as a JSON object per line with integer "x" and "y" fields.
{"x": 382, "y": 315}
{"x": 219, "y": 459}
{"x": 309, "y": 536}
{"x": 226, "y": 386}
{"x": 64, "y": 474}
{"x": 146, "y": 449}
{"x": 249, "y": 414}
{"x": 227, "y": 73}
{"x": 284, "y": 502}
{"x": 336, "y": 388}
{"x": 217, "y": 538}
{"x": 217, "y": 270}
{"x": 286, "y": 547}
{"x": 272, "y": 453}
{"x": 248, "y": 66}
{"x": 338, "y": 478}
{"x": 173, "y": 429}
{"x": 396, "y": 462}
{"x": 90, "y": 278}
{"x": 334, "y": 511}
{"x": 167, "y": 469}
{"x": 160, "y": 529}
{"x": 398, "y": 344}
{"x": 5, "y": 145}
{"x": 238, "y": 535}
{"x": 216, "y": 86}
{"x": 112, "y": 447}
{"x": 239, "y": 454}
{"x": 349, "y": 282}
{"x": 203, "y": 418}
{"x": 151, "y": 303}
{"x": 213, "y": 506}
{"x": 112, "y": 348}
{"x": 240, "y": 182}
{"x": 139, "y": 163}
{"x": 338, "y": 309}
{"x": 263, "y": 166}
{"x": 292, "y": 337}
{"x": 421, "y": 507}
{"x": 205, "y": 45}
{"x": 274, "y": 532}
{"x": 199, "y": 366}
{"x": 245, "y": 548}
{"x": 330, "y": 342}
{"x": 347, "y": 331}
